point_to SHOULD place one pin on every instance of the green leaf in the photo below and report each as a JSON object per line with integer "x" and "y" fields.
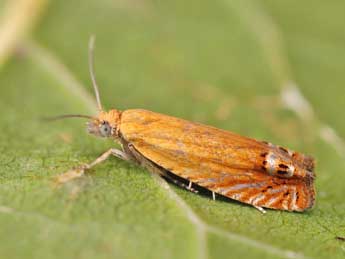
{"x": 266, "y": 69}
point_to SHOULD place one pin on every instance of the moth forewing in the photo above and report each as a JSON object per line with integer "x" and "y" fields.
{"x": 221, "y": 161}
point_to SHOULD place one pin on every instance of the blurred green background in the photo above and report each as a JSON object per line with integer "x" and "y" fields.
{"x": 272, "y": 70}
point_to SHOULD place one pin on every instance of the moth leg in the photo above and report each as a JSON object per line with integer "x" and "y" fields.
{"x": 79, "y": 171}
{"x": 120, "y": 154}
{"x": 214, "y": 196}
{"x": 189, "y": 187}
{"x": 180, "y": 184}
{"x": 262, "y": 210}
{"x": 105, "y": 156}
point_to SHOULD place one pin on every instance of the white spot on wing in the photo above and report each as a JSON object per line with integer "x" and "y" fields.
{"x": 285, "y": 205}
{"x": 272, "y": 191}
{"x": 271, "y": 163}
{"x": 240, "y": 186}
{"x": 271, "y": 201}
{"x": 293, "y": 205}
{"x": 256, "y": 199}
{"x": 236, "y": 196}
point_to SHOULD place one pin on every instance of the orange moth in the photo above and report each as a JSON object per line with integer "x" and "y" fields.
{"x": 200, "y": 157}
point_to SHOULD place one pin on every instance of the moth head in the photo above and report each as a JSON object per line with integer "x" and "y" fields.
{"x": 105, "y": 125}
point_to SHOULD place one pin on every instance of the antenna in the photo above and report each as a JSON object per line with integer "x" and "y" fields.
{"x": 60, "y": 117}
{"x": 92, "y": 71}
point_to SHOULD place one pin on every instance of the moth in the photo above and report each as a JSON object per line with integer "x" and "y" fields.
{"x": 197, "y": 156}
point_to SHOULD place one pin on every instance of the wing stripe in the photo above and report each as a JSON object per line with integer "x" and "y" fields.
{"x": 240, "y": 186}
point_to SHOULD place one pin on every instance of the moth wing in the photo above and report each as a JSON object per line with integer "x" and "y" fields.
{"x": 261, "y": 190}
{"x": 214, "y": 159}
{"x": 251, "y": 187}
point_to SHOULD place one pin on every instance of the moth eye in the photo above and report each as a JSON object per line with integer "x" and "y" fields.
{"x": 105, "y": 129}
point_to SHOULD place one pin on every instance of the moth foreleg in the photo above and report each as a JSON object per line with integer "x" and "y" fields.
{"x": 79, "y": 171}
{"x": 115, "y": 152}
{"x": 120, "y": 154}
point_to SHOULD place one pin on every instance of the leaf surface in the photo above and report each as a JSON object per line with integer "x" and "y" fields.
{"x": 258, "y": 68}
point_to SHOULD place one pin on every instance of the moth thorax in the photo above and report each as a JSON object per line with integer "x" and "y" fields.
{"x": 275, "y": 166}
